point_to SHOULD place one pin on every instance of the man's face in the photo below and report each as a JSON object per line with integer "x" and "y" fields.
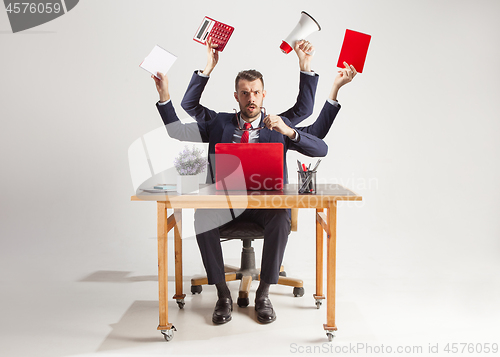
{"x": 250, "y": 96}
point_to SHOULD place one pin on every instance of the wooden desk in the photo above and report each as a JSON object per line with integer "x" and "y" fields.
{"x": 326, "y": 198}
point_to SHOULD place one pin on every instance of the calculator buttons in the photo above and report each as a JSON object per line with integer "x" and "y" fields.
{"x": 217, "y": 31}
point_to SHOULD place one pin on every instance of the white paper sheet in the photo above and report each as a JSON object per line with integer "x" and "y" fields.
{"x": 159, "y": 60}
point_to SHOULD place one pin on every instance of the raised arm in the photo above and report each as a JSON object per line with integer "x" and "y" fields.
{"x": 345, "y": 75}
{"x": 194, "y": 132}
{"x": 191, "y": 100}
{"x": 212, "y": 57}
{"x": 322, "y": 125}
{"x": 304, "y": 105}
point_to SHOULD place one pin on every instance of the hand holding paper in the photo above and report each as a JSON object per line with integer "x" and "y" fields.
{"x": 161, "y": 81}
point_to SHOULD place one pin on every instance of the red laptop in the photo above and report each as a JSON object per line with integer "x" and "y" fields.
{"x": 253, "y": 166}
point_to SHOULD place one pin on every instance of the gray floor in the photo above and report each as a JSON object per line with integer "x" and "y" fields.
{"x": 110, "y": 313}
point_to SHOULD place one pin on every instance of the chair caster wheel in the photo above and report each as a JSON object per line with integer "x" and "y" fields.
{"x": 298, "y": 292}
{"x": 243, "y": 302}
{"x": 330, "y": 336}
{"x": 181, "y": 303}
{"x": 318, "y": 304}
{"x": 196, "y": 289}
{"x": 283, "y": 273}
{"x": 168, "y": 334}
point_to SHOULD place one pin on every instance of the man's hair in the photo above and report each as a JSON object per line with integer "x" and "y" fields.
{"x": 249, "y": 75}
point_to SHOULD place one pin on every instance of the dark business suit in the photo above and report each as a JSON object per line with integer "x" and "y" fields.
{"x": 276, "y": 223}
{"x": 302, "y": 109}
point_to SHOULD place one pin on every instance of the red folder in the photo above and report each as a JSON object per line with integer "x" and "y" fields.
{"x": 354, "y": 50}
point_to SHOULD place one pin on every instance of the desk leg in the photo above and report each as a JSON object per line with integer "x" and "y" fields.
{"x": 330, "y": 275}
{"x": 163, "y": 266}
{"x": 179, "y": 296}
{"x": 319, "y": 259}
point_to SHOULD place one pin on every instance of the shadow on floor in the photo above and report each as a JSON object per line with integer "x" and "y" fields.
{"x": 110, "y": 276}
{"x": 134, "y": 328}
{"x": 137, "y": 326}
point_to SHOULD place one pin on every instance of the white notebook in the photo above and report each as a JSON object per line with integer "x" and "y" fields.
{"x": 159, "y": 60}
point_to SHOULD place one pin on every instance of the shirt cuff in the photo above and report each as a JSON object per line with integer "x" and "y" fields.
{"x": 333, "y": 102}
{"x": 163, "y": 103}
{"x": 296, "y": 139}
{"x": 312, "y": 73}
{"x": 198, "y": 72}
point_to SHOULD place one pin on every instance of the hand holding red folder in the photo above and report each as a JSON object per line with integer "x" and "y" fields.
{"x": 345, "y": 75}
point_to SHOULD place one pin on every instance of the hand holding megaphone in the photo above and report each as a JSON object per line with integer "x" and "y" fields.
{"x": 303, "y": 46}
{"x": 305, "y": 52}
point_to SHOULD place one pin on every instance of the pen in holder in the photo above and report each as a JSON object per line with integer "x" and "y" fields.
{"x": 307, "y": 181}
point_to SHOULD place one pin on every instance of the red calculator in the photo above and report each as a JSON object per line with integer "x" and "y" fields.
{"x": 219, "y": 32}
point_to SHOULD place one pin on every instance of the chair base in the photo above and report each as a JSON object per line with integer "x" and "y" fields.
{"x": 247, "y": 276}
{"x": 247, "y": 272}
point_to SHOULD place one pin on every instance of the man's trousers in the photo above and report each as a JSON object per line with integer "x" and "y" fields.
{"x": 276, "y": 224}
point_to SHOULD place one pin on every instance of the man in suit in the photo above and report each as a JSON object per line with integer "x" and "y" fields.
{"x": 304, "y": 105}
{"x": 228, "y": 128}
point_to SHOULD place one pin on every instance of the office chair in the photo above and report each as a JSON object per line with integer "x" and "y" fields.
{"x": 247, "y": 231}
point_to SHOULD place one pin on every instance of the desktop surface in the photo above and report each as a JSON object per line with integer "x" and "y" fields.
{"x": 209, "y": 197}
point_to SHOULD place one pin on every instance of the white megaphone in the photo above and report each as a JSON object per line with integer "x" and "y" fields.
{"x": 306, "y": 26}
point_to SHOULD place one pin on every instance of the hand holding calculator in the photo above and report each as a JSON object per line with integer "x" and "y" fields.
{"x": 217, "y": 31}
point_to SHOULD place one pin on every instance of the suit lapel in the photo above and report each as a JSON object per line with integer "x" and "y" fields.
{"x": 265, "y": 133}
{"x": 228, "y": 130}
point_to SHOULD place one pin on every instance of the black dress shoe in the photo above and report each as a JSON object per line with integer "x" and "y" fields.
{"x": 222, "y": 311}
{"x": 265, "y": 311}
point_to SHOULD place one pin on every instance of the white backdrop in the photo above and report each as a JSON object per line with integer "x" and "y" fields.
{"x": 417, "y": 137}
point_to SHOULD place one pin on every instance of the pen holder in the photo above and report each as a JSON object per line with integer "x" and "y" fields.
{"x": 307, "y": 181}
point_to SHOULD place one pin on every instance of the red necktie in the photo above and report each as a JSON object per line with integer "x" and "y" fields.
{"x": 246, "y": 134}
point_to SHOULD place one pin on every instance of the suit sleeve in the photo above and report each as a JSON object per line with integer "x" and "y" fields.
{"x": 322, "y": 125}
{"x": 193, "y": 132}
{"x": 191, "y": 100}
{"x": 307, "y": 144}
{"x": 304, "y": 105}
